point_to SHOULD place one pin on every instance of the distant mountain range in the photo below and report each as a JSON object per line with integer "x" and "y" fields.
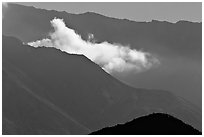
{"x": 181, "y": 38}
{"x": 153, "y": 124}
{"x": 47, "y": 91}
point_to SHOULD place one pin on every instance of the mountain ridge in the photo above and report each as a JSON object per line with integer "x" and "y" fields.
{"x": 91, "y": 12}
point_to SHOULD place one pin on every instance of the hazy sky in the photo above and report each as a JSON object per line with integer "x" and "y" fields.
{"x": 138, "y": 11}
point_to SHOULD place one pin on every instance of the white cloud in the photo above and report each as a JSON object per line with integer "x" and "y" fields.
{"x": 111, "y": 57}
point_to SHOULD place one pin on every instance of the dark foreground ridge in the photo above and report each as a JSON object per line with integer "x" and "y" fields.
{"x": 153, "y": 124}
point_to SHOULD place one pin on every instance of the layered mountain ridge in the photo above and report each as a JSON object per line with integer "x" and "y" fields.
{"x": 46, "y": 91}
{"x": 178, "y": 46}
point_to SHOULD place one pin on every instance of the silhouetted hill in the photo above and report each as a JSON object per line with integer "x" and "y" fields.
{"x": 153, "y": 124}
{"x": 46, "y": 91}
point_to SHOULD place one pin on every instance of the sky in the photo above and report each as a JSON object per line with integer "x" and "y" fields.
{"x": 137, "y": 11}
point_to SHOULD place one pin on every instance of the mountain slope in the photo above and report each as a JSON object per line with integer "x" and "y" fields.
{"x": 153, "y": 124}
{"x": 25, "y": 112}
{"x": 78, "y": 90}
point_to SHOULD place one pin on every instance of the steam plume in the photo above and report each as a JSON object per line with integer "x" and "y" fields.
{"x": 111, "y": 57}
